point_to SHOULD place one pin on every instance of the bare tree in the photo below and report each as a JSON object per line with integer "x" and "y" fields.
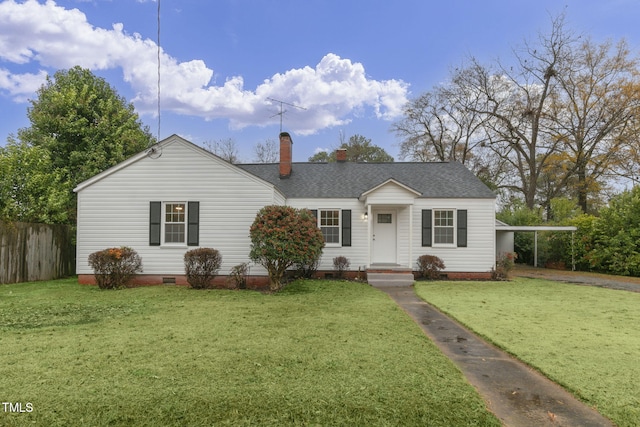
{"x": 514, "y": 101}
{"x": 266, "y": 152}
{"x": 560, "y": 121}
{"x": 226, "y": 149}
{"x": 438, "y": 127}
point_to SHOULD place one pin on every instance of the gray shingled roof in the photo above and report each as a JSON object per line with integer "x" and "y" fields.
{"x": 350, "y": 180}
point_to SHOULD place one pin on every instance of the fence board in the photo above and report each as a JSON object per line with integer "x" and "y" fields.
{"x": 31, "y": 252}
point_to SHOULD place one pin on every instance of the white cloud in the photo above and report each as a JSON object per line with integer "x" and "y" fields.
{"x": 50, "y": 36}
{"x": 19, "y": 86}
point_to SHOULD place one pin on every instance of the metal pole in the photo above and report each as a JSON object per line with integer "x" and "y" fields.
{"x": 573, "y": 254}
{"x": 535, "y": 249}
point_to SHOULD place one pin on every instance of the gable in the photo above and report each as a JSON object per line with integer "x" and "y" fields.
{"x": 176, "y": 156}
{"x": 391, "y": 192}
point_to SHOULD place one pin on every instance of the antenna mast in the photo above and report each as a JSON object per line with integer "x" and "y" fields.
{"x": 281, "y": 113}
{"x": 158, "y": 54}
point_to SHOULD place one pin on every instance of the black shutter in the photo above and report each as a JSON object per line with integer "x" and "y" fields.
{"x": 193, "y": 225}
{"x": 426, "y": 227}
{"x": 346, "y": 227}
{"x": 314, "y": 212}
{"x": 462, "y": 228}
{"x": 155, "y": 223}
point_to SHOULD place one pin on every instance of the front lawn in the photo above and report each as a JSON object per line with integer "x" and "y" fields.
{"x": 584, "y": 338}
{"x": 318, "y": 353}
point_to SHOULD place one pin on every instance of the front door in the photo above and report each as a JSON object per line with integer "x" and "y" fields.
{"x": 384, "y": 237}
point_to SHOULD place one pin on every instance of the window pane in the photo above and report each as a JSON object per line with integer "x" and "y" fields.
{"x": 443, "y": 218}
{"x": 384, "y": 218}
{"x": 443, "y": 227}
{"x": 174, "y": 212}
{"x": 330, "y": 218}
{"x": 443, "y": 235}
{"x": 330, "y": 225}
{"x": 174, "y": 223}
{"x": 174, "y": 233}
{"x": 331, "y": 234}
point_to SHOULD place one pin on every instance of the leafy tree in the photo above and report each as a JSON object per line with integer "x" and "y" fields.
{"x": 84, "y": 124}
{"x": 559, "y": 247}
{"x": 599, "y": 100}
{"x": 517, "y": 213}
{"x": 576, "y": 248}
{"x": 616, "y": 236}
{"x": 323, "y": 157}
{"x": 359, "y": 149}
{"x": 282, "y": 236}
{"x": 79, "y": 127}
{"x": 31, "y": 189}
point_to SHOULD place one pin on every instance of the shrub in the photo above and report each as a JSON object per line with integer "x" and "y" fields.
{"x": 307, "y": 270}
{"x": 115, "y": 267}
{"x": 504, "y": 265}
{"x": 616, "y": 233}
{"x": 201, "y": 266}
{"x": 238, "y": 276}
{"x": 430, "y": 266}
{"x": 340, "y": 264}
{"x": 281, "y": 237}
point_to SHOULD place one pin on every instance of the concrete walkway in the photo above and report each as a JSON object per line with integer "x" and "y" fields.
{"x": 516, "y": 394}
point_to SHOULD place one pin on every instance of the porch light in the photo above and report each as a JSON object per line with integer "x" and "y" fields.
{"x": 365, "y": 216}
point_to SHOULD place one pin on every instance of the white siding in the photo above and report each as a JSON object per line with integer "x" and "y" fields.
{"x": 479, "y": 255}
{"x": 114, "y": 210}
{"x": 358, "y": 252}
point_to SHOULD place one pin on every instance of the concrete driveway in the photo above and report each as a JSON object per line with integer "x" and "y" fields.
{"x": 623, "y": 283}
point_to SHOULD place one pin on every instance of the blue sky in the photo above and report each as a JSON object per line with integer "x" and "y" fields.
{"x": 352, "y": 64}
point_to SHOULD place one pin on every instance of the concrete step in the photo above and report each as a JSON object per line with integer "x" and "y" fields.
{"x": 390, "y": 279}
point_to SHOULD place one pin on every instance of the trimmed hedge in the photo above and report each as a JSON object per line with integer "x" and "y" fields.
{"x": 115, "y": 267}
{"x": 430, "y": 266}
{"x": 201, "y": 266}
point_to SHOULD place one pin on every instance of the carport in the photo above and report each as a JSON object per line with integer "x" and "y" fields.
{"x": 505, "y": 232}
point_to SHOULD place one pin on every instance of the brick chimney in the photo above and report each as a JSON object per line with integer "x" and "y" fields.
{"x": 341, "y": 155}
{"x": 285, "y": 155}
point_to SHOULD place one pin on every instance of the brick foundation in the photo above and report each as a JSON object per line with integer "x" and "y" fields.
{"x": 262, "y": 282}
{"x": 455, "y": 275}
{"x": 220, "y": 282}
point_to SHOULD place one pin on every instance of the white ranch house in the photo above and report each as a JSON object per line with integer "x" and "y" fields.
{"x": 177, "y": 196}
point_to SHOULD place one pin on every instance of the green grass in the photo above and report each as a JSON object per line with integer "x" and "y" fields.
{"x": 318, "y": 353}
{"x": 584, "y": 338}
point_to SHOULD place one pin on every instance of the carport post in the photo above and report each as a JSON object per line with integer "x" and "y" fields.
{"x": 535, "y": 248}
{"x": 573, "y": 253}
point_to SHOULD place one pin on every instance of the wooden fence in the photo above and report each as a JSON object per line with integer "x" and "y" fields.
{"x": 35, "y": 252}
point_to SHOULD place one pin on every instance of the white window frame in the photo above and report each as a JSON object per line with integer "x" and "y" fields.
{"x": 453, "y": 227}
{"x": 338, "y": 226}
{"x": 185, "y": 217}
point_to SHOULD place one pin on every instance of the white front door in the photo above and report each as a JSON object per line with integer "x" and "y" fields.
{"x": 384, "y": 237}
